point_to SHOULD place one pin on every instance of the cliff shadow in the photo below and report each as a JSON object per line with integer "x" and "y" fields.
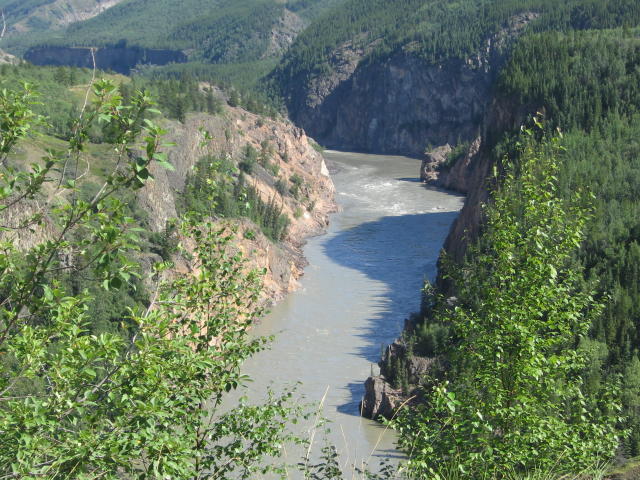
{"x": 410, "y": 179}
{"x": 398, "y": 253}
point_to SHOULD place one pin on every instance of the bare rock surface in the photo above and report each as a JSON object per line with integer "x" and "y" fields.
{"x": 433, "y": 162}
{"x": 380, "y": 399}
{"x": 284, "y": 33}
{"x": 57, "y": 14}
{"x": 401, "y": 103}
{"x": 292, "y": 154}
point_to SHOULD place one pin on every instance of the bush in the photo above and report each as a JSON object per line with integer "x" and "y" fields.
{"x": 249, "y": 160}
{"x": 281, "y": 187}
{"x": 515, "y": 397}
{"x": 296, "y": 184}
{"x": 138, "y": 400}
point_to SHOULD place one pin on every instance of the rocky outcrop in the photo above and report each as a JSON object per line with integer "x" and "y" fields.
{"x": 472, "y": 174}
{"x": 460, "y": 175}
{"x": 401, "y": 103}
{"x": 7, "y": 58}
{"x": 397, "y": 106}
{"x": 119, "y": 59}
{"x": 380, "y": 399}
{"x": 292, "y": 154}
{"x": 284, "y": 33}
{"x": 434, "y": 162}
{"x": 54, "y": 14}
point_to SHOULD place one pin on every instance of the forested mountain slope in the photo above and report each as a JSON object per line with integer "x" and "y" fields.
{"x": 36, "y": 16}
{"x": 396, "y": 76}
{"x": 207, "y": 31}
{"x": 586, "y": 84}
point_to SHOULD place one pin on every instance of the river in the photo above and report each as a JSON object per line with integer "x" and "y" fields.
{"x": 364, "y": 278}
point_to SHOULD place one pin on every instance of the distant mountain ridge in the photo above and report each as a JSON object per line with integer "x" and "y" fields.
{"x": 206, "y": 31}
{"x": 46, "y": 15}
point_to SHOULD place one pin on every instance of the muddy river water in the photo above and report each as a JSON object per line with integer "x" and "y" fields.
{"x": 364, "y": 278}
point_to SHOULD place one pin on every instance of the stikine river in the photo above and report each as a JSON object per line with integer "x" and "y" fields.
{"x": 364, "y": 278}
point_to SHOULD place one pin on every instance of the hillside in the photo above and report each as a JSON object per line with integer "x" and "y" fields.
{"x": 37, "y": 16}
{"x": 365, "y": 75}
{"x": 290, "y": 193}
{"x": 253, "y": 33}
{"x": 526, "y": 351}
{"x": 596, "y": 105}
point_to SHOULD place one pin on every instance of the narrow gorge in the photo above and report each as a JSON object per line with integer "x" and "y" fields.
{"x": 320, "y": 239}
{"x": 364, "y": 278}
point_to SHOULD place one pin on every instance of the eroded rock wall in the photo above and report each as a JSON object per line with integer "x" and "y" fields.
{"x": 399, "y": 104}
{"x": 293, "y": 155}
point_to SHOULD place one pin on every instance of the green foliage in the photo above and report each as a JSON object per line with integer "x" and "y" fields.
{"x": 224, "y": 32}
{"x": 173, "y": 26}
{"x": 457, "y": 153}
{"x": 436, "y": 30}
{"x": 597, "y": 102}
{"x": 568, "y": 75}
{"x": 296, "y": 185}
{"x": 62, "y": 87}
{"x": 249, "y": 159}
{"x": 316, "y": 146}
{"x": 62, "y": 106}
{"x": 141, "y": 401}
{"x": 282, "y": 187}
{"x": 514, "y": 396}
{"x": 631, "y": 402}
{"x": 215, "y": 190}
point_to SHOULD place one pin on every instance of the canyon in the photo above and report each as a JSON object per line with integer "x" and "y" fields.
{"x": 399, "y": 104}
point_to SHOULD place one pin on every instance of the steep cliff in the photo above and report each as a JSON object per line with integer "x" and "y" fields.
{"x": 469, "y": 172}
{"x": 397, "y": 106}
{"x": 292, "y": 155}
{"x": 399, "y": 103}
